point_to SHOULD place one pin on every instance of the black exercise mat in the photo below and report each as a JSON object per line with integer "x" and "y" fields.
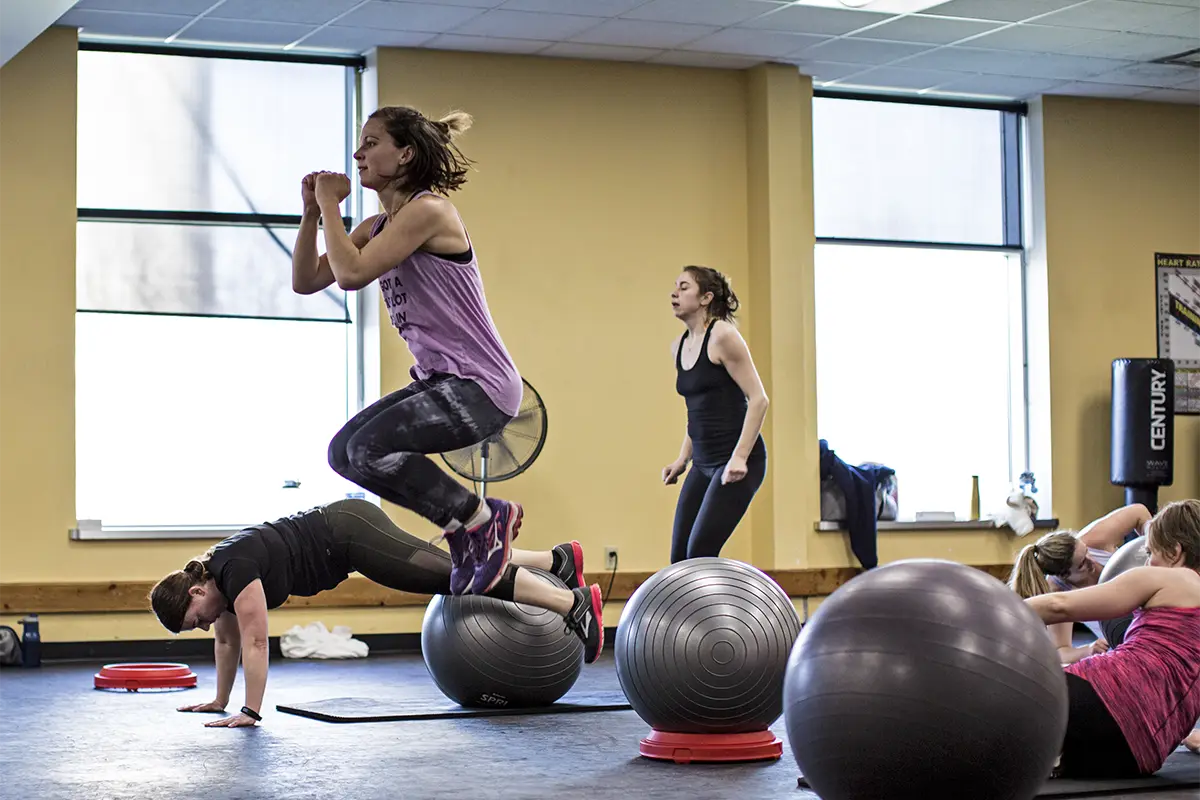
{"x": 1180, "y": 771}
{"x": 365, "y": 709}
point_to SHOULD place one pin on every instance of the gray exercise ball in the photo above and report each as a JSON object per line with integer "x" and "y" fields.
{"x": 483, "y": 652}
{"x": 925, "y": 678}
{"x": 702, "y": 647}
{"x": 1129, "y": 555}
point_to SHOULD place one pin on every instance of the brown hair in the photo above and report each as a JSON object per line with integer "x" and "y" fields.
{"x": 437, "y": 164}
{"x": 170, "y": 599}
{"x": 1176, "y": 525}
{"x": 724, "y": 301}
{"x": 1053, "y": 554}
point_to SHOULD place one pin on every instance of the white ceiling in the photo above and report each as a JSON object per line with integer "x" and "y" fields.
{"x": 1009, "y": 49}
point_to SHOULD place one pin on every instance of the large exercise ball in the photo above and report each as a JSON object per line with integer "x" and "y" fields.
{"x": 702, "y": 647}
{"x": 483, "y": 652}
{"x": 925, "y": 678}
{"x": 1133, "y": 553}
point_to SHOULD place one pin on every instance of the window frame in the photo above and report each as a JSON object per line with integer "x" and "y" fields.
{"x": 1014, "y": 176}
{"x": 358, "y": 308}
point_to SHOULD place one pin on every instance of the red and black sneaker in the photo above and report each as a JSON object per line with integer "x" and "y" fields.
{"x": 569, "y": 564}
{"x": 586, "y": 620}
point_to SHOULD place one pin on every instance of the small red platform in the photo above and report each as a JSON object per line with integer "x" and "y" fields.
{"x": 684, "y": 748}
{"x": 132, "y": 677}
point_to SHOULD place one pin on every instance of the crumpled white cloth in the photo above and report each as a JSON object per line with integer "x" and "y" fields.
{"x": 317, "y": 641}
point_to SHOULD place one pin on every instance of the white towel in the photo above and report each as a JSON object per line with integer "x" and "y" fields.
{"x": 316, "y": 641}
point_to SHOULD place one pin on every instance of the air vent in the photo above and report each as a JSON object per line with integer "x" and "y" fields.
{"x": 1190, "y": 58}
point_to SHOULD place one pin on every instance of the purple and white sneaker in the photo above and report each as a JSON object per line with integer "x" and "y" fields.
{"x": 492, "y": 544}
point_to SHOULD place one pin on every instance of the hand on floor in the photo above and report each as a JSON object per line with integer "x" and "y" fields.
{"x": 210, "y": 707}
{"x": 1192, "y": 742}
{"x": 236, "y": 721}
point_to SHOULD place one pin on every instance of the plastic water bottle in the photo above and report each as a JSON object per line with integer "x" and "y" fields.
{"x": 31, "y": 642}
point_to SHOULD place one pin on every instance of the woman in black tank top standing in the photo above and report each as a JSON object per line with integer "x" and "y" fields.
{"x": 726, "y": 406}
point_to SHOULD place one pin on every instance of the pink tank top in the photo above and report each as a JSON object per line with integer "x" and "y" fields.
{"x": 439, "y": 308}
{"x": 1150, "y": 683}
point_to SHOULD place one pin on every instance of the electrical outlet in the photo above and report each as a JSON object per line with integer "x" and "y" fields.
{"x": 610, "y": 558}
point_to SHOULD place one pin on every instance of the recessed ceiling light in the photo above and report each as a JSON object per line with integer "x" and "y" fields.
{"x": 885, "y": 6}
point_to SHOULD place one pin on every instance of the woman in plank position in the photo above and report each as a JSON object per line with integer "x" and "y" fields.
{"x": 1131, "y": 706}
{"x": 231, "y": 587}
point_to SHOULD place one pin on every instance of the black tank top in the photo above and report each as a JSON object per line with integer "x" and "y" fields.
{"x": 716, "y": 407}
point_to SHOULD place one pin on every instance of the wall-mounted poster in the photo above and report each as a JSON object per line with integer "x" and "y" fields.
{"x": 1178, "y": 281}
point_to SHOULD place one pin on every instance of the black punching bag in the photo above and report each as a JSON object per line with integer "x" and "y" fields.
{"x": 1143, "y": 427}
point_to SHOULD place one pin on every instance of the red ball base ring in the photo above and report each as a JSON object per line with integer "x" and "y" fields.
{"x": 132, "y": 677}
{"x": 685, "y": 748}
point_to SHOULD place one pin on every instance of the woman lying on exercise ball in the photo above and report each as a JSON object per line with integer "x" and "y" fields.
{"x": 232, "y": 585}
{"x": 1065, "y": 560}
{"x": 1131, "y": 707}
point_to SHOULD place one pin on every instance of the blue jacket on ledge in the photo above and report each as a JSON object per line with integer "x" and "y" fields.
{"x": 858, "y": 485}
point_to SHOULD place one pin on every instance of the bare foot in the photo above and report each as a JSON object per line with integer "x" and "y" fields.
{"x": 1192, "y": 742}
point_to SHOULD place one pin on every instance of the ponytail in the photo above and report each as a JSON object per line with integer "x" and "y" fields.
{"x": 454, "y": 123}
{"x": 1050, "y": 555}
{"x": 724, "y": 302}
{"x": 1027, "y": 578}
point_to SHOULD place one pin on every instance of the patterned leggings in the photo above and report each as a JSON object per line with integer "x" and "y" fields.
{"x": 382, "y": 448}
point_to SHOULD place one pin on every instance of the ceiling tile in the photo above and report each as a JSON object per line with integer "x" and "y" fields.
{"x": 360, "y": 40}
{"x": 1089, "y": 89}
{"x": 526, "y": 25}
{"x": 1186, "y": 24}
{"x": 114, "y": 23}
{"x": 1184, "y": 3}
{"x": 740, "y": 41}
{"x": 584, "y": 8}
{"x": 687, "y": 58}
{"x": 599, "y": 52}
{"x": 228, "y": 31}
{"x": 826, "y": 71}
{"x": 862, "y": 51}
{"x": 1159, "y": 76}
{"x": 1018, "y": 64}
{"x": 900, "y": 78}
{"x": 928, "y": 30}
{"x": 1192, "y": 81}
{"x": 484, "y": 44}
{"x": 1037, "y": 38}
{"x": 1001, "y": 10}
{"x": 1134, "y": 46}
{"x": 823, "y": 21}
{"x": 642, "y": 33}
{"x": 425, "y": 17}
{"x": 185, "y": 7}
{"x": 704, "y": 12}
{"x": 999, "y": 86}
{"x": 313, "y": 12}
{"x": 473, "y": 3}
{"x": 1114, "y": 15}
{"x": 1171, "y": 96}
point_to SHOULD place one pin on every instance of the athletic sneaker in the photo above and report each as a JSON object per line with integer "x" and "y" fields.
{"x": 586, "y": 620}
{"x": 570, "y": 564}
{"x": 491, "y": 543}
{"x": 462, "y": 561}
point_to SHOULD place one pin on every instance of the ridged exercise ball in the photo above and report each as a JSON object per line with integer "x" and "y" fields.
{"x": 484, "y": 652}
{"x": 925, "y": 678}
{"x": 702, "y": 647}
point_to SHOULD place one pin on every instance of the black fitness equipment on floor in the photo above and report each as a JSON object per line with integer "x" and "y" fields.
{"x": 510, "y": 452}
{"x": 1143, "y": 427}
{"x": 925, "y": 678}
{"x": 483, "y": 652}
{"x": 701, "y": 650}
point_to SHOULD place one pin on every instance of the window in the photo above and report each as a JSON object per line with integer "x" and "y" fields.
{"x": 206, "y": 390}
{"x": 919, "y": 297}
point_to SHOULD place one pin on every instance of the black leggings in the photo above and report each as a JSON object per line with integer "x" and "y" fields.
{"x": 366, "y": 541}
{"x": 1094, "y": 747}
{"x": 382, "y": 447}
{"x": 708, "y": 511}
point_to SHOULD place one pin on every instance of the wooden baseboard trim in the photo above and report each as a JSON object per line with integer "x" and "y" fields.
{"x": 358, "y": 592}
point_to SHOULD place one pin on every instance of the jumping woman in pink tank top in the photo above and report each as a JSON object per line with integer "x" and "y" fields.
{"x": 1133, "y": 705}
{"x": 465, "y": 385}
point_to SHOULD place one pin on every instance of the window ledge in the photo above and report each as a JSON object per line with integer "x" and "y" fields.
{"x": 827, "y": 526}
{"x": 89, "y": 531}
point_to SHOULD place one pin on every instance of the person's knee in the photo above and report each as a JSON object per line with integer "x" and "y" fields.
{"x": 367, "y": 458}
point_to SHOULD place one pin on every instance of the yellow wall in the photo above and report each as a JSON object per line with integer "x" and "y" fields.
{"x": 594, "y": 184}
{"x": 1120, "y": 183}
